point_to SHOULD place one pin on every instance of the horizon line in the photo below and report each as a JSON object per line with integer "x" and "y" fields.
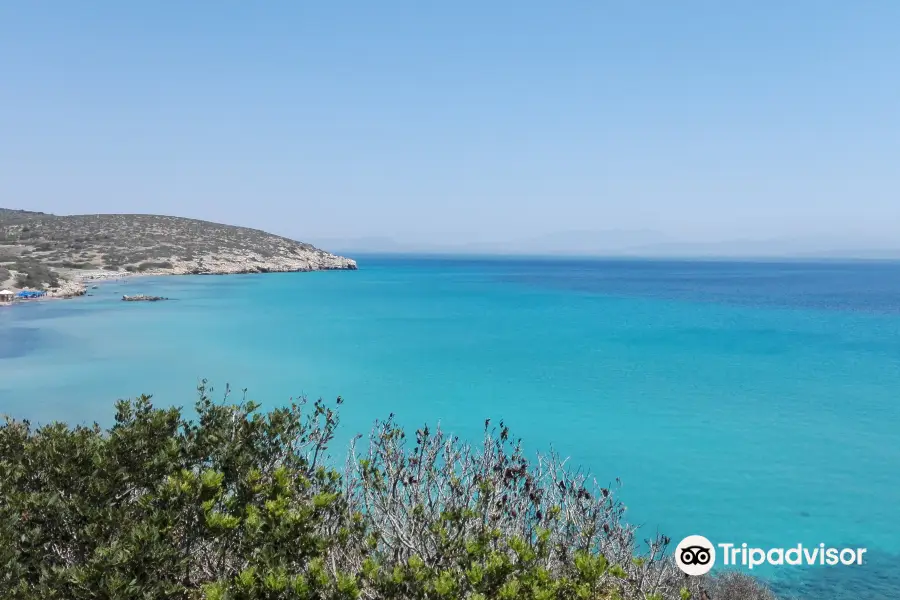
{"x": 610, "y": 257}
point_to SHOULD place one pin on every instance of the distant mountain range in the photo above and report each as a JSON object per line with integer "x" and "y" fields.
{"x": 627, "y": 243}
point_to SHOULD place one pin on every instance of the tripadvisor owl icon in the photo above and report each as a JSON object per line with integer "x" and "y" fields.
{"x": 695, "y": 555}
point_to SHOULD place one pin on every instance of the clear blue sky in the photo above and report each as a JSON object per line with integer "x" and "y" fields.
{"x": 471, "y": 121}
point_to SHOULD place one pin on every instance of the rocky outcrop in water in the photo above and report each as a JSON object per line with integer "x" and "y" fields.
{"x": 143, "y": 298}
{"x": 67, "y": 289}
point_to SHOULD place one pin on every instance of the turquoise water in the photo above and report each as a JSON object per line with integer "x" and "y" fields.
{"x": 746, "y": 402}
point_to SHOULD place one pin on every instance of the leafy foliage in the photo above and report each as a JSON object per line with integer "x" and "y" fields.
{"x": 237, "y": 504}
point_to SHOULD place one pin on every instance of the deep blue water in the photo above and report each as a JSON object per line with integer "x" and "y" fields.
{"x": 747, "y": 402}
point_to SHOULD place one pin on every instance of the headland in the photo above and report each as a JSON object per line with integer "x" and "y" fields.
{"x": 62, "y": 254}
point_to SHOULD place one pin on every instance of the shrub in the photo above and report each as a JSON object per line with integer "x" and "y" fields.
{"x": 33, "y": 274}
{"x": 146, "y": 266}
{"x": 76, "y": 265}
{"x": 454, "y": 508}
{"x": 735, "y": 586}
{"x": 159, "y": 507}
{"x": 239, "y": 504}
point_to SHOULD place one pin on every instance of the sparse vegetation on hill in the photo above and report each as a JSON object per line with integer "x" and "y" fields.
{"x": 32, "y": 273}
{"x": 40, "y": 248}
{"x": 235, "y": 504}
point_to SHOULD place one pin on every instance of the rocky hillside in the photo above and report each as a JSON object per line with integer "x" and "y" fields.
{"x": 44, "y": 251}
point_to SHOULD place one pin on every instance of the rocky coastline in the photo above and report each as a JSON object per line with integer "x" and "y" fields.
{"x": 74, "y": 282}
{"x": 64, "y": 254}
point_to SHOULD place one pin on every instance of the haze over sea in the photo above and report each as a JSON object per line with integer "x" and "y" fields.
{"x": 747, "y": 402}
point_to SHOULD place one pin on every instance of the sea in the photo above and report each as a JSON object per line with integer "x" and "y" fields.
{"x": 748, "y": 402}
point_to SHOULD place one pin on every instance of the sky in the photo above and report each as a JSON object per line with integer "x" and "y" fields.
{"x": 462, "y": 123}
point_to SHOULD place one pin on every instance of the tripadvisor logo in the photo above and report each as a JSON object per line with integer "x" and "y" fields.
{"x": 696, "y": 555}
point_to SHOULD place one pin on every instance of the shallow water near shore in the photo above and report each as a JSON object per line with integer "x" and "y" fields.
{"x": 747, "y": 402}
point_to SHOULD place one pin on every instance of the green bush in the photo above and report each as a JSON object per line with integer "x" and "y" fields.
{"x": 236, "y": 504}
{"x": 146, "y": 266}
{"x": 34, "y": 274}
{"x": 68, "y": 264}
